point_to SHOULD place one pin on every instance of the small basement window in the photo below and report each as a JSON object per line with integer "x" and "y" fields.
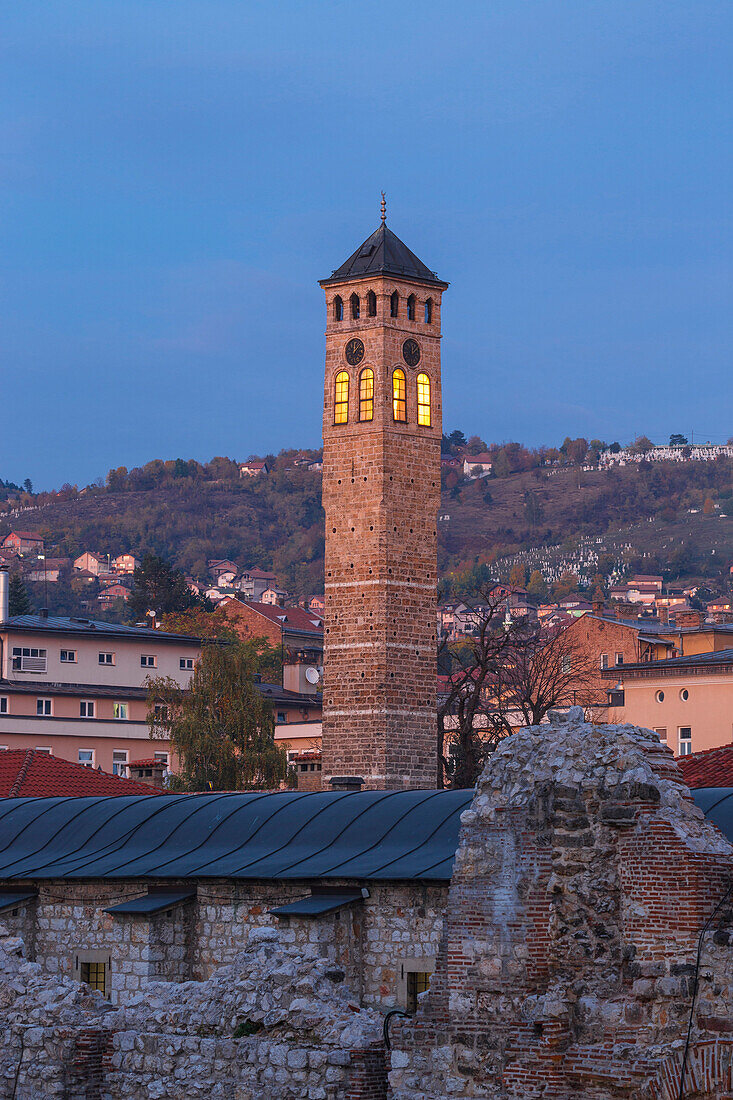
{"x": 93, "y": 968}
{"x": 413, "y": 979}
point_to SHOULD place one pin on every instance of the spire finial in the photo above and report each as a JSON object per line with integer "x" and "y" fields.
{"x": 384, "y": 209}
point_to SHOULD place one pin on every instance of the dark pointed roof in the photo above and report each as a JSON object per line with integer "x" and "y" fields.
{"x": 384, "y": 254}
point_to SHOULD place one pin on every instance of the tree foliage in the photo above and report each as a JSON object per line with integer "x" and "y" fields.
{"x": 19, "y": 600}
{"x": 160, "y": 588}
{"x": 221, "y": 727}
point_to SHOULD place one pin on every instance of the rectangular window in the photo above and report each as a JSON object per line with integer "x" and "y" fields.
{"x": 4, "y": 706}
{"x": 160, "y": 712}
{"x": 604, "y": 660}
{"x": 43, "y": 748}
{"x": 162, "y": 757}
{"x": 119, "y": 710}
{"x": 29, "y": 659}
{"x": 86, "y": 708}
{"x": 119, "y": 761}
{"x": 341, "y": 398}
{"x": 661, "y": 733}
{"x": 148, "y": 661}
{"x": 565, "y": 665}
{"x": 106, "y": 658}
{"x": 423, "y": 400}
{"x": 619, "y": 658}
{"x": 68, "y": 656}
{"x": 86, "y": 757}
{"x": 417, "y": 982}
{"x": 94, "y": 974}
{"x": 685, "y": 733}
{"x": 281, "y": 716}
{"x": 187, "y": 663}
{"x": 43, "y": 708}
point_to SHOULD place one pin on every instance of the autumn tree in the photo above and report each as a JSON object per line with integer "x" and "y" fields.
{"x": 537, "y": 586}
{"x": 518, "y": 575}
{"x": 221, "y": 727}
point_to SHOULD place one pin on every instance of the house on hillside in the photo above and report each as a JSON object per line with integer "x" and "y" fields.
{"x": 125, "y": 563}
{"x": 92, "y": 563}
{"x": 47, "y": 570}
{"x": 274, "y": 596}
{"x": 480, "y": 461}
{"x": 252, "y": 583}
{"x": 23, "y": 542}
{"x": 113, "y": 592}
{"x": 253, "y": 469}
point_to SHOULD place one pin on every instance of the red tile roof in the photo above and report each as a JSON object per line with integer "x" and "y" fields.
{"x": 147, "y": 762}
{"x": 27, "y": 773}
{"x": 709, "y": 768}
{"x": 292, "y": 618}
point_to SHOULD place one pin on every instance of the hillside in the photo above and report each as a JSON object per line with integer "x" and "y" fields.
{"x": 276, "y": 521}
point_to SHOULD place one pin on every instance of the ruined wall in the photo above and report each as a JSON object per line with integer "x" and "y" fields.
{"x": 583, "y": 879}
{"x": 368, "y": 942}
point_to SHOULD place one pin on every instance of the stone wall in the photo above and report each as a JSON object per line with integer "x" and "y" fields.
{"x": 368, "y": 941}
{"x": 583, "y": 880}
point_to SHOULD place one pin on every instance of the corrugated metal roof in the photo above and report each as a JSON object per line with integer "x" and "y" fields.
{"x": 55, "y": 624}
{"x": 317, "y": 905}
{"x": 288, "y": 835}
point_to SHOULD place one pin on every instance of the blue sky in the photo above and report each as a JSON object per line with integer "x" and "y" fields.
{"x": 176, "y": 175}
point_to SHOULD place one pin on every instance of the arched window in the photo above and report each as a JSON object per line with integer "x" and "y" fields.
{"x": 394, "y": 304}
{"x": 429, "y": 311}
{"x": 399, "y": 395}
{"x": 372, "y": 304}
{"x": 423, "y": 400}
{"x": 338, "y": 308}
{"x": 355, "y": 306}
{"x": 341, "y": 398}
{"x": 411, "y": 308}
{"x": 366, "y": 394}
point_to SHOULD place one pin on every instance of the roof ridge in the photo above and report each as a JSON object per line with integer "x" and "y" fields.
{"x": 22, "y": 774}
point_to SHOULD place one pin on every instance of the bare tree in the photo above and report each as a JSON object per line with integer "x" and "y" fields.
{"x": 506, "y": 675}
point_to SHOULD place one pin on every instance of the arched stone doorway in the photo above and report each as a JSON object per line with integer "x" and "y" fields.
{"x": 708, "y": 1074}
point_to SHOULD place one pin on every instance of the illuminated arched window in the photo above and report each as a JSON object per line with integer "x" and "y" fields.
{"x": 341, "y": 398}
{"x": 338, "y": 308}
{"x": 366, "y": 394}
{"x": 429, "y": 311}
{"x": 423, "y": 400}
{"x": 355, "y": 306}
{"x": 411, "y": 308}
{"x": 399, "y": 395}
{"x": 394, "y": 304}
{"x": 371, "y": 304}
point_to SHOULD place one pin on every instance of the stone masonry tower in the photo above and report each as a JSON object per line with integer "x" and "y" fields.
{"x": 382, "y": 430}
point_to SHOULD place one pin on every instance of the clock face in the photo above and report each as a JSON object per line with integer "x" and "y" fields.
{"x": 354, "y": 352}
{"x": 411, "y": 352}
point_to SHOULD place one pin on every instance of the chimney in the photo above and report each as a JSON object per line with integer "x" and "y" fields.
{"x": 663, "y": 615}
{"x": 346, "y": 782}
{"x": 597, "y": 607}
{"x": 4, "y": 594}
{"x": 689, "y": 619}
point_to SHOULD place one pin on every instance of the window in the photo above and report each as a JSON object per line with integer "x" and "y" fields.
{"x": 685, "y": 740}
{"x": 119, "y": 711}
{"x": 684, "y": 695}
{"x": 187, "y": 663}
{"x": 366, "y": 394}
{"x": 413, "y": 978}
{"x": 148, "y": 661}
{"x": 372, "y": 304}
{"x": 341, "y": 398}
{"x": 423, "y": 400}
{"x": 417, "y": 982}
{"x": 68, "y": 656}
{"x": 399, "y": 396}
{"x": 106, "y": 658}
{"x": 281, "y": 717}
{"x": 4, "y": 705}
{"x": 161, "y": 757}
{"x": 394, "y": 304}
{"x": 338, "y": 308}
{"x": 604, "y": 660}
{"x": 42, "y": 748}
{"x": 661, "y": 732}
{"x": 119, "y": 761}
{"x": 619, "y": 658}
{"x": 43, "y": 708}
{"x": 429, "y": 311}
{"x": 86, "y": 708}
{"x": 160, "y": 715}
{"x": 355, "y": 307}
{"x": 565, "y": 664}
{"x": 29, "y": 659}
{"x": 86, "y": 757}
{"x": 411, "y": 308}
{"x": 659, "y": 696}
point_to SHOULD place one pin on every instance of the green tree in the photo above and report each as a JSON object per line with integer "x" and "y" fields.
{"x": 158, "y": 587}
{"x": 20, "y": 604}
{"x": 220, "y": 727}
{"x": 537, "y": 586}
{"x": 457, "y": 438}
{"x": 677, "y": 440}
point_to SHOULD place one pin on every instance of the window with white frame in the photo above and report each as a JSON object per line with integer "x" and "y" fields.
{"x": 147, "y": 660}
{"x": 4, "y": 704}
{"x": 162, "y": 757}
{"x": 29, "y": 659}
{"x": 106, "y": 658}
{"x": 119, "y": 710}
{"x": 187, "y": 663}
{"x": 119, "y": 761}
{"x": 619, "y": 658}
{"x": 604, "y": 660}
{"x": 44, "y": 708}
{"x": 281, "y": 717}
{"x": 685, "y": 739}
{"x": 45, "y": 749}
{"x": 86, "y": 757}
{"x": 661, "y": 732}
{"x": 68, "y": 656}
{"x": 86, "y": 708}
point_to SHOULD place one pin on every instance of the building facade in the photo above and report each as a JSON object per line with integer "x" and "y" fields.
{"x": 382, "y": 429}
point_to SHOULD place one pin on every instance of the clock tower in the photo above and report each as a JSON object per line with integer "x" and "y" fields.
{"x": 382, "y": 432}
